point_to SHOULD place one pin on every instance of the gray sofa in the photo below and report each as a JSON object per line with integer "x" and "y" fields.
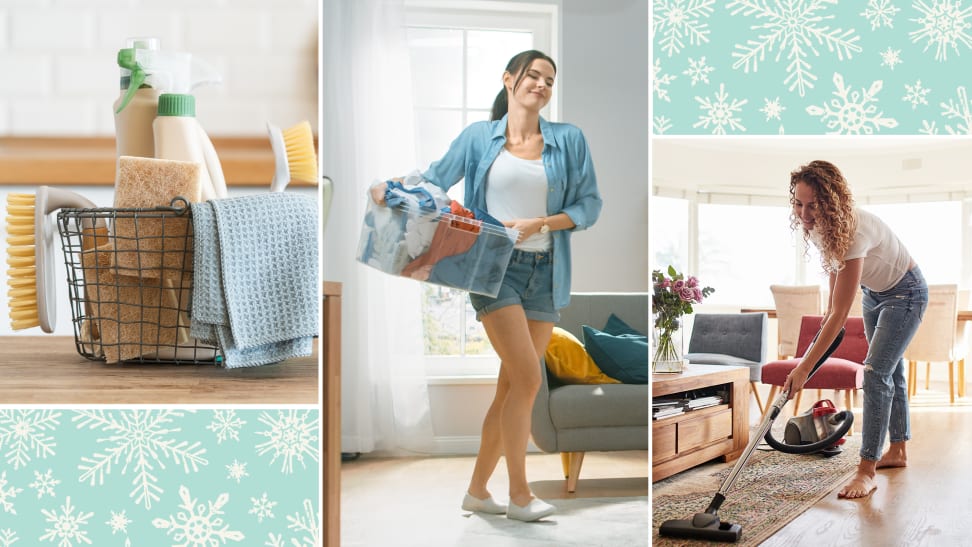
{"x": 574, "y": 419}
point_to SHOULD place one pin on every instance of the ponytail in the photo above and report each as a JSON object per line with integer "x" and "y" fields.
{"x": 518, "y": 66}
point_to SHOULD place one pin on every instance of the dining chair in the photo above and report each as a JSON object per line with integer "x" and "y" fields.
{"x": 939, "y": 340}
{"x": 843, "y": 371}
{"x": 792, "y": 303}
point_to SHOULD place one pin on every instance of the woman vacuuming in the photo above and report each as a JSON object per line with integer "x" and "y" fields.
{"x": 857, "y": 249}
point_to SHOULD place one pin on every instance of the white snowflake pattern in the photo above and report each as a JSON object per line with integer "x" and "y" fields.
{"x": 698, "y": 71}
{"x": 958, "y": 110}
{"x": 662, "y": 124}
{"x": 25, "y": 431}
{"x": 7, "y": 495}
{"x": 44, "y": 483}
{"x": 916, "y": 94}
{"x": 274, "y": 540}
{"x": 119, "y": 522}
{"x": 721, "y": 112}
{"x": 880, "y": 12}
{"x": 226, "y": 424}
{"x": 852, "y": 112}
{"x": 262, "y": 507}
{"x": 291, "y": 436}
{"x": 201, "y": 526}
{"x": 891, "y": 57}
{"x": 796, "y": 27}
{"x": 674, "y": 20}
{"x": 308, "y": 524}
{"x": 928, "y": 128}
{"x": 8, "y": 537}
{"x": 140, "y": 438}
{"x": 773, "y": 109}
{"x": 237, "y": 470}
{"x": 944, "y": 24}
{"x": 66, "y": 526}
{"x": 658, "y": 80}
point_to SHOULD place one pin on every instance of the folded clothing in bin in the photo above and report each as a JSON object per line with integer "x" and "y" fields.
{"x": 453, "y": 247}
{"x": 255, "y": 284}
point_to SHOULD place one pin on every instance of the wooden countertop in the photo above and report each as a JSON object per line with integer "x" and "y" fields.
{"x": 246, "y": 161}
{"x": 48, "y": 370}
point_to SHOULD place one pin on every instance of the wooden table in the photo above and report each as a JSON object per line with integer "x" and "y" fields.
{"x": 963, "y": 315}
{"x": 684, "y": 441}
{"x": 49, "y": 370}
{"x": 332, "y": 414}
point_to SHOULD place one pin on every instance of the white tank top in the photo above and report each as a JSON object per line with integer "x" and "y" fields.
{"x": 517, "y": 188}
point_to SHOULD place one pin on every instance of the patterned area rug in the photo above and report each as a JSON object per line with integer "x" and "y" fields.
{"x": 771, "y": 490}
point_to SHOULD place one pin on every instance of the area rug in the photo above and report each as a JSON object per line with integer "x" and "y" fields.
{"x": 771, "y": 490}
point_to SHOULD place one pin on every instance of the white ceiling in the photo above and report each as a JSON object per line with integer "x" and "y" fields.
{"x": 875, "y": 167}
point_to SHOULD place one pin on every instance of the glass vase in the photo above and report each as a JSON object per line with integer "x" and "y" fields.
{"x": 668, "y": 354}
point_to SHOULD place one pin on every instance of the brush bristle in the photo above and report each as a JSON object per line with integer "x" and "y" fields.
{"x": 301, "y": 157}
{"x": 22, "y": 274}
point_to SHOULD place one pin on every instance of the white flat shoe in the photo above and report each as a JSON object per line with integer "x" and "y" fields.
{"x": 472, "y": 503}
{"x": 535, "y": 510}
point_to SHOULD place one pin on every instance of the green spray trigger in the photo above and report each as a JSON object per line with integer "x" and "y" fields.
{"x": 126, "y": 59}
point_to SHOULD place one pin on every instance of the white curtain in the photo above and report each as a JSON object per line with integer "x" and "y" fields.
{"x": 369, "y": 135}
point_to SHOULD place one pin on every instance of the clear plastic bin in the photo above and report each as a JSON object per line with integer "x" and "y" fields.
{"x": 436, "y": 247}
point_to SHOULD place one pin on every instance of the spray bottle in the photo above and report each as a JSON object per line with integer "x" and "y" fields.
{"x": 136, "y": 104}
{"x": 176, "y": 134}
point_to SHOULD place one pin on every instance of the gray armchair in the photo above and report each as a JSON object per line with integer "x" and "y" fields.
{"x": 574, "y": 419}
{"x": 731, "y": 339}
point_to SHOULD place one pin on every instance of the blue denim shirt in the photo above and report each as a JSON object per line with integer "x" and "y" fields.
{"x": 570, "y": 178}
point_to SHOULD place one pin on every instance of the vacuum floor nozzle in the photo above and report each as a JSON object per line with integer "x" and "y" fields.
{"x": 705, "y": 526}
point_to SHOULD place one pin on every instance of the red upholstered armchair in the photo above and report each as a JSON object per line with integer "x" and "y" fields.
{"x": 842, "y": 371}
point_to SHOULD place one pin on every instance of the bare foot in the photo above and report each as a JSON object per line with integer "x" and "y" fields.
{"x": 859, "y": 487}
{"x": 894, "y": 457}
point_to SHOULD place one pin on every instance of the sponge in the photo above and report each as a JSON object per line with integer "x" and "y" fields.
{"x": 150, "y": 245}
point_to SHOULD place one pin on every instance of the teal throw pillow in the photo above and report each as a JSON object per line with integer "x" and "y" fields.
{"x": 615, "y": 325}
{"x": 623, "y": 357}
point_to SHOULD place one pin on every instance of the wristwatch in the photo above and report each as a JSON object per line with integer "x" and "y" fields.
{"x": 544, "y": 228}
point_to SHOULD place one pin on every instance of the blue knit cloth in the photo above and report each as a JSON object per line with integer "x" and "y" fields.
{"x": 255, "y": 282}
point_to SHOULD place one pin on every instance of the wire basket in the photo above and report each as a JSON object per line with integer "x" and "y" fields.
{"x": 129, "y": 275}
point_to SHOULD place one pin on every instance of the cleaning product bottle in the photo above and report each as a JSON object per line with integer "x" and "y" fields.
{"x": 177, "y": 137}
{"x": 136, "y": 104}
{"x": 177, "y": 73}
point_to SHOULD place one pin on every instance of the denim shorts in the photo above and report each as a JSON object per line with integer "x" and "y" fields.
{"x": 528, "y": 282}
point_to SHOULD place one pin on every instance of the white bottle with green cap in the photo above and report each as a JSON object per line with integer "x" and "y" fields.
{"x": 178, "y": 136}
{"x": 137, "y": 103}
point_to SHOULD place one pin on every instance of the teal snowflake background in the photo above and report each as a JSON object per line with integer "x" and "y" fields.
{"x": 159, "y": 477}
{"x": 867, "y": 67}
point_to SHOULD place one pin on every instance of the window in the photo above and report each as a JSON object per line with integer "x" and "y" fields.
{"x": 457, "y": 56}
{"x": 669, "y": 233}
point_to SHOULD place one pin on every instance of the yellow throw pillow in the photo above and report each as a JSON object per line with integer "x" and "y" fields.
{"x": 567, "y": 359}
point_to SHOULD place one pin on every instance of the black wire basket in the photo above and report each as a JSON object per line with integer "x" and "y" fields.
{"x": 129, "y": 276}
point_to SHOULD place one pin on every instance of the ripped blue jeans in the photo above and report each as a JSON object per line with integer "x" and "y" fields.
{"x": 891, "y": 319}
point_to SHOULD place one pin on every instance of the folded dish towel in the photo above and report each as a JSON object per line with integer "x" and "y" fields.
{"x": 255, "y": 279}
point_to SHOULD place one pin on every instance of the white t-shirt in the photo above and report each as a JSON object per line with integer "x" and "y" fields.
{"x": 885, "y": 259}
{"x": 517, "y": 188}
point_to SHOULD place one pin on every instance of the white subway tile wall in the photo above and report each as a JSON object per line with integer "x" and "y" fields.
{"x": 60, "y": 77}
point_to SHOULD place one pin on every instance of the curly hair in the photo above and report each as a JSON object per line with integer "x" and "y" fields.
{"x": 835, "y": 221}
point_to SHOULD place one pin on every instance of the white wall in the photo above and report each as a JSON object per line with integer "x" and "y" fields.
{"x": 60, "y": 76}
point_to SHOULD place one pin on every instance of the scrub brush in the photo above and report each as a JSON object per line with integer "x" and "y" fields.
{"x": 293, "y": 154}
{"x": 30, "y": 254}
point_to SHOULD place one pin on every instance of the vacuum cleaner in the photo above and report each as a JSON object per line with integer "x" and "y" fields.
{"x": 834, "y": 425}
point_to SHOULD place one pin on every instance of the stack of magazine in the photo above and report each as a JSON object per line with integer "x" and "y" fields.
{"x": 676, "y": 405}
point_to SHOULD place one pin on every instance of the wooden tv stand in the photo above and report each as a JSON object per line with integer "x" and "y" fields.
{"x": 697, "y": 436}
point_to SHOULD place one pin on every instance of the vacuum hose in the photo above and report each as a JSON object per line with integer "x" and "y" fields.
{"x": 844, "y": 418}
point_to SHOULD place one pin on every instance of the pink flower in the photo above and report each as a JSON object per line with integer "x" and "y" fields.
{"x": 679, "y": 284}
{"x": 687, "y": 294}
{"x": 698, "y": 294}
{"x": 666, "y": 283}
{"x": 692, "y": 281}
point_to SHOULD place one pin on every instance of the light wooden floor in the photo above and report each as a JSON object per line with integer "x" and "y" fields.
{"x": 426, "y": 491}
{"x": 49, "y": 370}
{"x": 923, "y": 504}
